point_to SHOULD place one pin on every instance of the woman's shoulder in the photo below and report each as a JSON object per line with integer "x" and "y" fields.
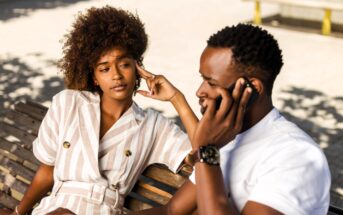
{"x": 77, "y": 95}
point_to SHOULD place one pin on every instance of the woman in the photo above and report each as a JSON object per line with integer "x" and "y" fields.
{"x": 95, "y": 141}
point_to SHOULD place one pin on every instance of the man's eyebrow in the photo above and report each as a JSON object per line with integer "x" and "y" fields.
{"x": 208, "y": 78}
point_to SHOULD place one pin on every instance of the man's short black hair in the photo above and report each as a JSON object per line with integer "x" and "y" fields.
{"x": 255, "y": 51}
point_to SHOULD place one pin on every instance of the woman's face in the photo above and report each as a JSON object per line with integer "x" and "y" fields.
{"x": 115, "y": 73}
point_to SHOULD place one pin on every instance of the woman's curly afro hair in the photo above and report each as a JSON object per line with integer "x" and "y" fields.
{"x": 94, "y": 33}
{"x": 255, "y": 51}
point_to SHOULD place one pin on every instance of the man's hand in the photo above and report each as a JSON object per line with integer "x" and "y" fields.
{"x": 221, "y": 126}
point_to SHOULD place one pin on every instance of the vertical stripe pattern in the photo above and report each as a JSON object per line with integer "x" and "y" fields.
{"x": 69, "y": 139}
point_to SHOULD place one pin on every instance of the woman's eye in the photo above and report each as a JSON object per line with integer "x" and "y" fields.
{"x": 104, "y": 70}
{"x": 124, "y": 65}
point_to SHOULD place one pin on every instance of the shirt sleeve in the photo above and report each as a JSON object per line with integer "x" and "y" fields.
{"x": 295, "y": 186}
{"x": 171, "y": 144}
{"x": 45, "y": 145}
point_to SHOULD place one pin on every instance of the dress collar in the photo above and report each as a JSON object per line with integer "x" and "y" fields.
{"x": 93, "y": 98}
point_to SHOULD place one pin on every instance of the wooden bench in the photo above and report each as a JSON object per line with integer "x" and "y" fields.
{"x": 19, "y": 127}
{"x": 325, "y": 5}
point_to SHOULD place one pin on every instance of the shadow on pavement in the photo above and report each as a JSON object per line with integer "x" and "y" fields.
{"x": 16, "y": 83}
{"x": 10, "y": 9}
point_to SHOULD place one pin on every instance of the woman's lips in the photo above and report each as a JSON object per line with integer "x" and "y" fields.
{"x": 120, "y": 87}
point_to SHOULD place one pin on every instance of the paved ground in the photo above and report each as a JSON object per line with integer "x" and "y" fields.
{"x": 308, "y": 90}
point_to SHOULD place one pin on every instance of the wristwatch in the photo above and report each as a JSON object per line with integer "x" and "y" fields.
{"x": 207, "y": 154}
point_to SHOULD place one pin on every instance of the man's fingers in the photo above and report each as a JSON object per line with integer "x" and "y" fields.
{"x": 242, "y": 107}
{"x": 236, "y": 94}
{"x": 210, "y": 108}
{"x": 238, "y": 90}
{"x": 225, "y": 103}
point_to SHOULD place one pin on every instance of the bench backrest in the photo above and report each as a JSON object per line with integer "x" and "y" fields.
{"x": 19, "y": 127}
{"x": 320, "y": 4}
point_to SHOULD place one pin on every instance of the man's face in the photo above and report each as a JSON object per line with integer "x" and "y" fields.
{"x": 217, "y": 70}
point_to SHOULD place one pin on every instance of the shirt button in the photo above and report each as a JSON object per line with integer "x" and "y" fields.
{"x": 66, "y": 145}
{"x": 127, "y": 153}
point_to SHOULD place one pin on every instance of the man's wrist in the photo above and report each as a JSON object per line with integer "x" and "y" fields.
{"x": 208, "y": 154}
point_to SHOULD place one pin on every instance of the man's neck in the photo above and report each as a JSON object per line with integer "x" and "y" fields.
{"x": 256, "y": 113}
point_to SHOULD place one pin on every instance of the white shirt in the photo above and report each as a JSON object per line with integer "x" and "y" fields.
{"x": 74, "y": 117}
{"x": 276, "y": 164}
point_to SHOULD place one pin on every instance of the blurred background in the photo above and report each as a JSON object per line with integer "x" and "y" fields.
{"x": 308, "y": 91}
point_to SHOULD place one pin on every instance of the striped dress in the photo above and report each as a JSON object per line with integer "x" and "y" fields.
{"x": 93, "y": 175}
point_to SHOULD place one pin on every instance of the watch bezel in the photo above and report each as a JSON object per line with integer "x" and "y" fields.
{"x": 209, "y": 154}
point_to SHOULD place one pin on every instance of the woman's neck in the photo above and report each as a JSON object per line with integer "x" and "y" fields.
{"x": 114, "y": 108}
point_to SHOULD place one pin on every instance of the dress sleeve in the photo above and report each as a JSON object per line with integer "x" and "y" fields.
{"x": 45, "y": 145}
{"x": 171, "y": 144}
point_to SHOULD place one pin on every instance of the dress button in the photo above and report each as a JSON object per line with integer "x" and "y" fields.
{"x": 128, "y": 153}
{"x": 66, "y": 145}
{"x": 114, "y": 186}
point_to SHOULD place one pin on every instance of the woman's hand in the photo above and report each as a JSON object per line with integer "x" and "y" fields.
{"x": 159, "y": 87}
{"x": 221, "y": 126}
{"x": 5, "y": 211}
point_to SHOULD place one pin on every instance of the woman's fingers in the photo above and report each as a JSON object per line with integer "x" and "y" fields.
{"x": 143, "y": 73}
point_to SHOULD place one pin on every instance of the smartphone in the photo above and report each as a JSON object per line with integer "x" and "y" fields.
{"x": 247, "y": 83}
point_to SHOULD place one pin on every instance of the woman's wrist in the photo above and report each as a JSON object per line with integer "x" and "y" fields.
{"x": 16, "y": 210}
{"x": 175, "y": 99}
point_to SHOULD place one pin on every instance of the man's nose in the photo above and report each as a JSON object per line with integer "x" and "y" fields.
{"x": 201, "y": 92}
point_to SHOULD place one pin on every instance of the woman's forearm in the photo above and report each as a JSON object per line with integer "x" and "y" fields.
{"x": 39, "y": 187}
{"x": 185, "y": 112}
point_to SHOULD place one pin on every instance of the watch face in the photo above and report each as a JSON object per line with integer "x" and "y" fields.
{"x": 209, "y": 154}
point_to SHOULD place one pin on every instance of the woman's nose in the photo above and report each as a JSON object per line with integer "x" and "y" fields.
{"x": 116, "y": 73}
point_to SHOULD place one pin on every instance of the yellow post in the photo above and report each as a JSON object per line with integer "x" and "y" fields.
{"x": 257, "y": 15}
{"x": 326, "y": 26}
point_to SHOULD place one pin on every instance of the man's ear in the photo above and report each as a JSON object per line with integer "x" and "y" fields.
{"x": 258, "y": 84}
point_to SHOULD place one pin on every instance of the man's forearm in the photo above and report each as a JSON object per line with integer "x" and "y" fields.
{"x": 211, "y": 194}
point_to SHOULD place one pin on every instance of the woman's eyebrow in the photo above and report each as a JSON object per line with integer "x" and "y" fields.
{"x": 117, "y": 58}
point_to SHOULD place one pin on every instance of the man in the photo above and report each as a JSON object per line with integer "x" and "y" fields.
{"x": 267, "y": 164}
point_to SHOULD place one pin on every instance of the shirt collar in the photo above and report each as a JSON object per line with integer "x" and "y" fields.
{"x": 258, "y": 130}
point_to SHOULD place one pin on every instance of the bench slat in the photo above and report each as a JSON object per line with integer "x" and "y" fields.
{"x": 8, "y": 180}
{"x": 164, "y": 175}
{"x": 21, "y": 153}
{"x": 320, "y": 4}
{"x": 9, "y": 166}
{"x": 25, "y": 138}
{"x": 32, "y": 109}
{"x": 8, "y": 201}
{"x": 23, "y": 121}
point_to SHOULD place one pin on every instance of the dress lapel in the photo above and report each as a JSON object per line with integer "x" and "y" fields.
{"x": 89, "y": 121}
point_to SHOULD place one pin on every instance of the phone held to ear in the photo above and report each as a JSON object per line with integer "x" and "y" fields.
{"x": 247, "y": 83}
